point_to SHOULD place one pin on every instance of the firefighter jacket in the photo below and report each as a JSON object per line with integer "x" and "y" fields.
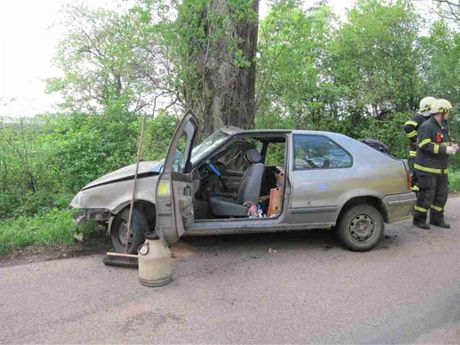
{"x": 411, "y": 127}
{"x": 432, "y": 141}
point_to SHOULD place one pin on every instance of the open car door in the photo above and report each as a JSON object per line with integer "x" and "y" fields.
{"x": 174, "y": 193}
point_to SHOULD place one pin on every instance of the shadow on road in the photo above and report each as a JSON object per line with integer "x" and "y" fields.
{"x": 320, "y": 238}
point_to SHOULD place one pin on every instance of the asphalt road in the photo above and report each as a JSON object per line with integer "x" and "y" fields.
{"x": 276, "y": 288}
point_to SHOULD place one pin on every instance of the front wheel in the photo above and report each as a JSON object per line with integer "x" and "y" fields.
{"x": 360, "y": 228}
{"x": 119, "y": 231}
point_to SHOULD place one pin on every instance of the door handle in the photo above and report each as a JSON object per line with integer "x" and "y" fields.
{"x": 187, "y": 191}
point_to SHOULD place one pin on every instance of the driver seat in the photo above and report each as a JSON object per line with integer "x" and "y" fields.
{"x": 249, "y": 190}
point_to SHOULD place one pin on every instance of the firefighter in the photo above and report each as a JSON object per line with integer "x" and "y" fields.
{"x": 411, "y": 127}
{"x": 433, "y": 148}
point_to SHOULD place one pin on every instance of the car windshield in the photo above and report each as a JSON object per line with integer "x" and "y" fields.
{"x": 209, "y": 144}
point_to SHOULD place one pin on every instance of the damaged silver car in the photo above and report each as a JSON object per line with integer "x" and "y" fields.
{"x": 245, "y": 181}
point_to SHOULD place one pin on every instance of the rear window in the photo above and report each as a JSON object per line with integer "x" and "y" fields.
{"x": 319, "y": 152}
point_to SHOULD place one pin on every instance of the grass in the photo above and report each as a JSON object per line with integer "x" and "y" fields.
{"x": 454, "y": 181}
{"x": 48, "y": 229}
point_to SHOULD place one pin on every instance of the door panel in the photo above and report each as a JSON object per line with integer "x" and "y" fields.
{"x": 321, "y": 173}
{"x": 174, "y": 196}
{"x": 315, "y": 194}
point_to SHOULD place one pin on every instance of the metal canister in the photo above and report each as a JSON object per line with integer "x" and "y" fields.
{"x": 154, "y": 262}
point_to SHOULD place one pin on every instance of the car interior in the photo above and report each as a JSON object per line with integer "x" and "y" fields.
{"x": 244, "y": 179}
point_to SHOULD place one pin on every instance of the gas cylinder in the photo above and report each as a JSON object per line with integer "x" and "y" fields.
{"x": 154, "y": 262}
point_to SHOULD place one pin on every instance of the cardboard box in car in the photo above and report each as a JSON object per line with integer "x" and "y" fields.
{"x": 275, "y": 203}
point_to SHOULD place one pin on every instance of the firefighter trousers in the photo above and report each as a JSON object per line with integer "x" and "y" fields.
{"x": 432, "y": 196}
{"x": 413, "y": 182}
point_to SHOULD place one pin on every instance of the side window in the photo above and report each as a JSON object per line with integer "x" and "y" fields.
{"x": 319, "y": 152}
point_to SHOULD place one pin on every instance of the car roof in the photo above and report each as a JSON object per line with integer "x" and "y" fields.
{"x": 236, "y": 130}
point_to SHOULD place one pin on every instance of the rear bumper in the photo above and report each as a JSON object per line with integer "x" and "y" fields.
{"x": 398, "y": 206}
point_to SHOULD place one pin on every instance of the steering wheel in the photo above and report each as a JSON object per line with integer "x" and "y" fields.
{"x": 212, "y": 168}
{"x": 216, "y": 171}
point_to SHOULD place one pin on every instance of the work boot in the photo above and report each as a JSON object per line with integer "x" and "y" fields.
{"x": 421, "y": 223}
{"x": 441, "y": 223}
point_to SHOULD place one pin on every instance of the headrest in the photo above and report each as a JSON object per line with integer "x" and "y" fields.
{"x": 253, "y": 156}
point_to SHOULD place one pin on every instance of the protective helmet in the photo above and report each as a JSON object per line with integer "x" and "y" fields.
{"x": 440, "y": 106}
{"x": 426, "y": 103}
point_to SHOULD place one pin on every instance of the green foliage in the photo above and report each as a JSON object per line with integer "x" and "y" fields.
{"x": 363, "y": 77}
{"x": 52, "y": 228}
{"x": 454, "y": 181}
{"x": 387, "y": 131}
{"x": 45, "y": 162}
{"x": 293, "y": 49}
{"x": 89, "y": 146}
{"x": 374, "y": 57}
{"x": 158, "y": 134}
{"x": 112, "y": 61}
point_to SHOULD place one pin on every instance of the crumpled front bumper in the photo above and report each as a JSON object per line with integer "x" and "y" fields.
{"x": 79, "y": 202}
{"x": 97, "y": 214}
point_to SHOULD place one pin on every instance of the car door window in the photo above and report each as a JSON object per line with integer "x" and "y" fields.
{"x": 180, "y": 158}
{"x": 319, "y": 152}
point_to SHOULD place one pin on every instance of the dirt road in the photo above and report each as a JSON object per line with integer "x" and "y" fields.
{"x": 275, "y": 288}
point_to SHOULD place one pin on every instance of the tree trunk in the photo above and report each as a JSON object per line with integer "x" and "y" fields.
{"x": 225, "y": 67}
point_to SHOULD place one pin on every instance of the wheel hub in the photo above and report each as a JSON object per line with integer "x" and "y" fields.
{"x": 124, "y": 233}
{"x": 361, "y": 227}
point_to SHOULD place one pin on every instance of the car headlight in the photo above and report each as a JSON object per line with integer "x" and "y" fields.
{"x": 76, "y": 200}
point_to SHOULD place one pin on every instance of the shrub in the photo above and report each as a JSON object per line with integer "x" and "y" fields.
{"x": 47, "y": 229}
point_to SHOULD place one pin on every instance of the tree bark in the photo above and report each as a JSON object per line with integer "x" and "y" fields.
{"x": 225, "y": 68}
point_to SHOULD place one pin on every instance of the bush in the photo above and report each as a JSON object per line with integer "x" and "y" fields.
{"x": 454, "y": 181}
{"x": 45, "y": 160}
{"x": 48, "y": 229}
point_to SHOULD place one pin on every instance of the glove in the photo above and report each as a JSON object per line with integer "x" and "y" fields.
{"x": 451, "y": 150}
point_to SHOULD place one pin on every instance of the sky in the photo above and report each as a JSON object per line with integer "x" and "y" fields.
{"x": 29, "y": 34}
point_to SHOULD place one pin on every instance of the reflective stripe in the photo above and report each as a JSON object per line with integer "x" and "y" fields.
{"x": 430, "y": 170}
{"x": 436, "y": 149}
{"x": 412, "y": 153}
{"x": 424, "y": 142}
{"x": 420, "y": 209}
{"x": 415, "y": 189}
{"x": 445, "y": 171}
{"x": 411, "y": 134}
{"x": 410, "y": 122}
{"x": 436, "y": 208}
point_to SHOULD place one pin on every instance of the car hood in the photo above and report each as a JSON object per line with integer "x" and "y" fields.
{"x": 148, "y": 168}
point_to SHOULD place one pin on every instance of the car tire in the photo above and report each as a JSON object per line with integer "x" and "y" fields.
{"x": 360, "y": 228}
{"x": 118, "y": 230}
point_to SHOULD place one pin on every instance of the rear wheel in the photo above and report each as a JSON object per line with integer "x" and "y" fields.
{"x": 119, "y": 231}
{"x": 360, "y": 228}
